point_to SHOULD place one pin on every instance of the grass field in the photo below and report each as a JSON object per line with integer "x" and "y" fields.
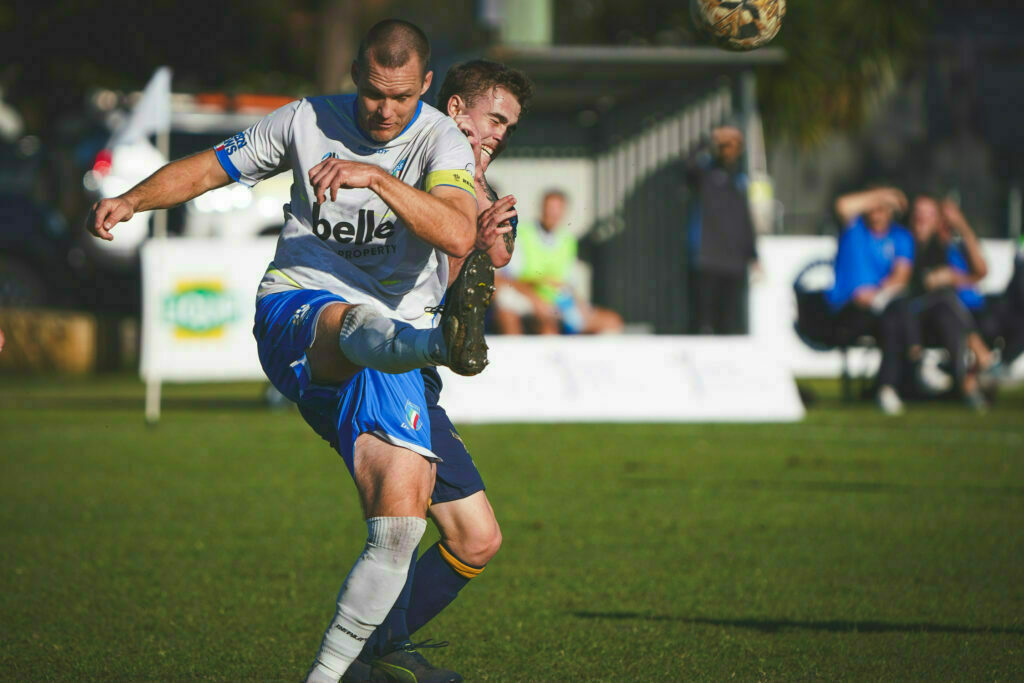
{"x": 850, "y": 546}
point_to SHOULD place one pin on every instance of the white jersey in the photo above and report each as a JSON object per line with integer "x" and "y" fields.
{"x": 356, "y": 246}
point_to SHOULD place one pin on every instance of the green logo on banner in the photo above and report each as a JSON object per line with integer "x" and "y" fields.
{"x": 200, "y": 309}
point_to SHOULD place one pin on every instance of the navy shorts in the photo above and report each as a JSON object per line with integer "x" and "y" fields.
{"x": 457, "y": 476}
{"x": 390, "y": 406}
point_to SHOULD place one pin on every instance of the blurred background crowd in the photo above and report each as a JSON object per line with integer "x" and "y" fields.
{"x": 648, "y": 168}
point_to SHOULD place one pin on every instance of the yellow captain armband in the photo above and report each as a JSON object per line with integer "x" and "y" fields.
{"x": 459, "y": 178}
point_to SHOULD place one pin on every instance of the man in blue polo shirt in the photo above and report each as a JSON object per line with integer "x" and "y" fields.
{"x": 873, "y": 266}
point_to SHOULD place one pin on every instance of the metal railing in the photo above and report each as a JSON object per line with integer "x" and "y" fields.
{"x": 638, "y": 242}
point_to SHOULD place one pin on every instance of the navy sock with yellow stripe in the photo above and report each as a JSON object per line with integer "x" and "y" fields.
{"x": 439, "y": 577}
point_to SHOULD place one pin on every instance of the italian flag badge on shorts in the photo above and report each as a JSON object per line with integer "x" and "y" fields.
{"x": 412, "y": 415}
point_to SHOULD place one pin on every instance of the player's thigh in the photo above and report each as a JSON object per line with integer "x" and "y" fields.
{"x": 457, "y": 475}
{"x": 459, "y": 505}
{"x": 327, "y": 364}
{"x": 392, "y": 481}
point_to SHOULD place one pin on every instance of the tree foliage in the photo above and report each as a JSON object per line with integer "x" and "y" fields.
{"x": 842, "y": 57}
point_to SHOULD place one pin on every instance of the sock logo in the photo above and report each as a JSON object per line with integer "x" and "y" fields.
{"x": 348, "y": 633}
{"x": 361, "y": 232}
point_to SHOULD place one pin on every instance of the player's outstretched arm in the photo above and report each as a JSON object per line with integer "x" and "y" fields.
{"x": 174, "y": 184}
{"x": 445, "y": 217}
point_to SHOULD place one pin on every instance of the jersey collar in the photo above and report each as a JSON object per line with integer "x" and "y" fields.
{"x": 355, "y": 119}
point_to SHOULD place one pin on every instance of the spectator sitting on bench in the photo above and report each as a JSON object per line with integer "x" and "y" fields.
{"x": 536, "y": 283}
{"x": 873, "y": 266}
{"x": 947, "y": 306}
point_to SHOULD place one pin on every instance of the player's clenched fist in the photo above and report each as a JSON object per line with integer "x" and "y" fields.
{"x": 494, "y": 221}
{"x": 107, "y": 213}
{"x": 331, "y": 175}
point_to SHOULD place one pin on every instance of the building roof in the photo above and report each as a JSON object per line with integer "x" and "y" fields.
{"x": 573, "y": 78}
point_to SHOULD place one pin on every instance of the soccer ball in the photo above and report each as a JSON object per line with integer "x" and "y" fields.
{"x": 738, "y": 24}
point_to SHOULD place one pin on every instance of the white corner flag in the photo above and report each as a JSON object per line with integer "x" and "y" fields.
{"x": 151, "y": 114}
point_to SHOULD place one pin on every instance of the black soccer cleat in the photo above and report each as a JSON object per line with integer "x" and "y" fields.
{"x": 361, "y": 671}
{"x": 462, "y": 320}
{"x": 406, "y": 665}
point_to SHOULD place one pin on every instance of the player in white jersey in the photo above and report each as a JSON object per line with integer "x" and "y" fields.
{"x": 486, "y": 100}
{"x": 383, "y": 194}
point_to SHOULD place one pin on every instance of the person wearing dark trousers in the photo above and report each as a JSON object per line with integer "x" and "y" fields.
{"x": 948, "y": 265}
{"x": 940, "y": 319}
{"x": 720, "y": 233}
{"x": 873, "y": 266}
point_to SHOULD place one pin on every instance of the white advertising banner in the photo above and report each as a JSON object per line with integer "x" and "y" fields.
{"x": 198, "y": 300}
{"x": 624, "y": 379}
{"x": 198, "y": 303}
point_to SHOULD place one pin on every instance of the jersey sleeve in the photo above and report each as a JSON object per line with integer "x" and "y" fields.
{"x": 850, "y": 268}
{"x": 260, "y": 150}
{"x": 450, "y": 161}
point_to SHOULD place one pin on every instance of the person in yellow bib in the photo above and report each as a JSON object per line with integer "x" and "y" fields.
{"x": 537, "y": 282}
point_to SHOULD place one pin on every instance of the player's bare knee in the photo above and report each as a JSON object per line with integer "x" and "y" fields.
{"x": 489, "y": 546}
{"x": 476, "y": 546}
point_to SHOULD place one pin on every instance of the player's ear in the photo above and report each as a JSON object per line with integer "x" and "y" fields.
{"x": 355, "y": 72}
{"x": 455, "y": 105}
{"x": 427, "y": 80}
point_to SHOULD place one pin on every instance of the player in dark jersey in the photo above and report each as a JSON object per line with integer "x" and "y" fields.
{"x": 486, "y": 100}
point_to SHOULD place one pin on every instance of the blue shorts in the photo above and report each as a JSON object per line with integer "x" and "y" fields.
{"x": 392, "y": 407}
{"x": 457, "y": 476}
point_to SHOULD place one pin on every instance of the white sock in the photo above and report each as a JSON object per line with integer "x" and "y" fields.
{"x": 369, "y": 592}
{"x": 370, "y": 340}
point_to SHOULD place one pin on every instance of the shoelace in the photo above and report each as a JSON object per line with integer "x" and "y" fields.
{"x": 428, "y": 644}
